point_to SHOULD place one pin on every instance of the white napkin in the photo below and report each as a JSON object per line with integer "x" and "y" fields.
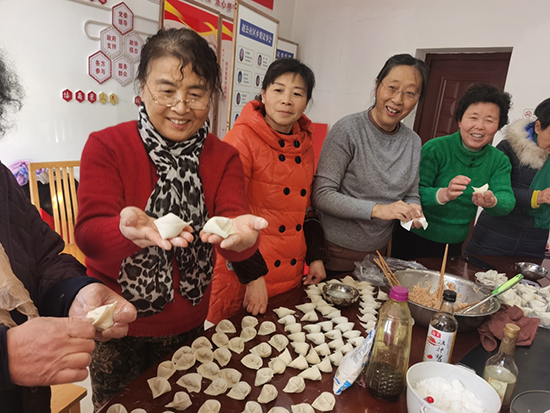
{"x": 407, "y": 225}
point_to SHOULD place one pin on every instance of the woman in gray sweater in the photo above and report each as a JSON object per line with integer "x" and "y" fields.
{"x": 367, "y": 175}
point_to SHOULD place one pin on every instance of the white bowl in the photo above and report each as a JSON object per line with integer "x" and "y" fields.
{"x": 471, "y": 381}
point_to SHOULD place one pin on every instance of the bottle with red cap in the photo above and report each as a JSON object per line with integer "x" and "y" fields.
{"x": 385, "y": 373}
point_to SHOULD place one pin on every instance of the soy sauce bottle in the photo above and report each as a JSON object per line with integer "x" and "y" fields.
{"x": 442, "y": 331}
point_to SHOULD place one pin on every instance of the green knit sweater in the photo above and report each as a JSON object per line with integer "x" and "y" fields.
{"x": 446, "y": 157}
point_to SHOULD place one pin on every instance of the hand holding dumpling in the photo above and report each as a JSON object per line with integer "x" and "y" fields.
{"x": 455, "y": 188}
{"x": 484, "y": 199}
{"x": 396, "y": 210}
{"x": 244, "y": 235}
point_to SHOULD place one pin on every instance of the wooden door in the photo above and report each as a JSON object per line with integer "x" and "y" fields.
{"x": 450, "y": 76}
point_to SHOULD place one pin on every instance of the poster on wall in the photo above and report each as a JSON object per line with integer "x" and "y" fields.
{"x": 255, "y": 41}
{"x": 226, "y": 48}
{"x": 286, "y": 48}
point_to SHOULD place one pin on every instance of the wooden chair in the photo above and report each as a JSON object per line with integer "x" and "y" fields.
{"x": 63, "y": 196}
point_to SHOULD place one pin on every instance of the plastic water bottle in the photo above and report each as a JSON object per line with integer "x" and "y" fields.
{"x": 385, "y": 373}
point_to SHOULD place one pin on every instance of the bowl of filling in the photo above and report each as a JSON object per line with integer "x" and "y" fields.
{"x": 340, "y": 294}
{"x": 447, "y": 388}
{"x": 423, "y": 302}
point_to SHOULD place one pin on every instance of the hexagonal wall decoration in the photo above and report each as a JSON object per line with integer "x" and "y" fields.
{"x": 123, "y": 18}
{"x": 99, "y": 67}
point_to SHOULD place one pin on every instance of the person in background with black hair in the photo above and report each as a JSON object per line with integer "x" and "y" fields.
{"x": 367, "y": 175}
{"x": 524, "y": 232}
{"x": 275, "y": 142}
{"x": 45, "y": 296}
{"x": 451, "y": 167}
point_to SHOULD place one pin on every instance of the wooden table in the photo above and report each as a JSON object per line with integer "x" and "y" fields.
{"x": 355, "y": 399}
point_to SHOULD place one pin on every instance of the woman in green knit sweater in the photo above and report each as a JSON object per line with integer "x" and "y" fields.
{"x": 451, "y": 167}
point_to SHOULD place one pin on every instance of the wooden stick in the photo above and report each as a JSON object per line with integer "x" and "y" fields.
{"x": 388, "y": 277}
{"x": 442, "y": 274}
{"x": 387, "y": 270}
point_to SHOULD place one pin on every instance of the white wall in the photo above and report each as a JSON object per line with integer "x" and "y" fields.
{"x": 347, "y": 42}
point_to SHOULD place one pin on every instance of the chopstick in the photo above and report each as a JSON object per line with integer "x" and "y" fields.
{"x": 392, "y": 279}
{"x": 442, "y": 274}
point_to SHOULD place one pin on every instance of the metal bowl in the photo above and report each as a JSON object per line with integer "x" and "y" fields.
{"x": 467, "y": 292}
{"x": 531, "y": 271}
{"x": 340, "y": 294}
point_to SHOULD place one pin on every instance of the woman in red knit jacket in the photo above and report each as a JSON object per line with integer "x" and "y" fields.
{"x": 274, "y": 140}
{"x": 132, "y": 173}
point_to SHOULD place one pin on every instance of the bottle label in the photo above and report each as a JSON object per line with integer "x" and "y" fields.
{"x": 503, "y": 389}
{"x": 439, "y": 345}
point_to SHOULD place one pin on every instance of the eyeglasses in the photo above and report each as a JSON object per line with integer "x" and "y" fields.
{"x": 407, "y": 95}
{"x": 171, "y": 101}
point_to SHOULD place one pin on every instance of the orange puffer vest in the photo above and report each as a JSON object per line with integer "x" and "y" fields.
{"x": 278, "y": 171}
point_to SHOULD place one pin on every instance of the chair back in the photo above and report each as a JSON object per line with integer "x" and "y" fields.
{"x": 62, "y": 192}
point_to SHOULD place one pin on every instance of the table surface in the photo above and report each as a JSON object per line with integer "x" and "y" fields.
{"x": 354, "y": 399}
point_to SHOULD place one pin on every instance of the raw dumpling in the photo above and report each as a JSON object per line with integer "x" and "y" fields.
{"x": 299, "y": 363}
{"x": 181, "y": 401}
{"x": 295, "y": 385}
{"x": 302, "y": 408}
{"x": 312, "y": 328}
{"x": 306, "y": 308}
{"x": 481, "y": 189}
{"x": 324, "y": 402}
{"x": 333, "y": 334}
{"x": 166, "y": 369}
{"x": 263, "y": 350}
{"x": 117, "y": 408}
{"x": 279, "y": 342}
{"x": 181, "y": 351}
{"x": 325, "y": 366}
{"x": 248, "y": 333}
{"x": 221, "y": 226}
{"x": 325, "y": 309}
{"x": 239, "y": 391}
{"x": 298, "y": 337}
{"x": 325, "y": 325}
{"x": 185, "y": 361}
{"x": 334, "y": 314}
{"x": 170, "y": 225}
{"x": 345, "y": 326}
{"x": 287, "y": 319}
{"x": 322, "y": 349}
{"x": 365, "y": 318}
{"x": 336, "y": 358}
{"x": 338, "y": 320}
{"x": 310, "y": 316}
{"x": 138, "y": 410}
{"x": 252, "y": 407}
{"x": 300, "y": 348}
{"x": 217, "y": 387}
{"x": 220, "y": 339}
{"x": 210, "y": 406}
{"x": 312, "y": 373}
{"x": 312, "y": 357}
{"x": 226, "y": 326}
{"x": 266, "y": 328}
{"x": 263, "y": 376}
{"x": 204, "y": 355}
{"x": 316, "y": 338}
{"x": 336, "y": 344}
{"x": 201, "y": 342}
{"x": 285, "y": 357}
{"x": 277, "y": 365}
{"x": 345, "y": 349}
{"x": 293, "y": 328}
{"x": 268, "y": 394}
{"x": 278, "y": 409}
{"x": 192, "y": 382}
{"x": 382, "y": 296}
{"x": 236, "y": 345}
{"x": 356, "y": 341}
{"x": 249, "y": 321}
{"x": 209, "y": 370}
{"x": 252, "y": 361}
{"x": 159, "y": 386}
{"x": 103, "y": 317}
{"x": 222, "y": 356}
{"x": 283, "y": 311}
{"x": 231, "y": 376}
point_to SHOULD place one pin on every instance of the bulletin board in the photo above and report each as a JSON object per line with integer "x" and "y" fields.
{"x": 286, "y": 48}
{"x": 255, "y": 42}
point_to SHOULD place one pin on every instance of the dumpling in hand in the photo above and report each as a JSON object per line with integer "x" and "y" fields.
{"x": 263, "y": 376}
{"x": 268, "y": 394}
{"x": 159, "y": 386}
{"x": 231, "y": 376}
{"x": 236, "y": 345}
{"x": 210, "y": 406}
{"x": 204, "y": 355}
{"x": 217, "y": 387}
{"x": 295, "y": 385}
{"x": 248, "y": 333}
{"x": 117, "y": 408}
{"x": 252, "y": 361}
{"x": 221, "y": 226}
{"x": 220, "y": 339}
{"x": 226, "y": 326}
{"x": 312, "y": 373}
{"x": 302, "y": 408}
{"x": 209, "y": 370}
{"x": 201, "y": 342}
{"x": 324, "y": 402}
{"x": 166, "y": 369}
{"x": 279, "y": 342}
{"x": 170, "y": 225}
{"x": 239, "y": 391}
{"x": 181, "y": 401}
{"x": 263, "y": 350}
{"x": 266, "y": 328}
{"x": 185, "y": 362}
{"x": 249, "y": 321}
{"x": 103, "y": 317}
{"x": 252, "y": 407}
{"x": 192, "y": 382}
{"x": 222, "y": 356}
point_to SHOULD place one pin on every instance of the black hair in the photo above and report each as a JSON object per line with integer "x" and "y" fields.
{"x": 542, "y": 112}
{"x": 485, "y": 93}
{"x": 288, "y": 65}
{"x": 11, "y": 93}
{"x": 187, "y": 46}
{"x": 405, "y": 60}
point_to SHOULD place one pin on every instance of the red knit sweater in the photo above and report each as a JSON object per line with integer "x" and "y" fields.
{"x": 116, "y": 172}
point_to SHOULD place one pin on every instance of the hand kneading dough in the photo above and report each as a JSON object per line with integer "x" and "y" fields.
{"x": 220, "y": 226}
{"x": 103, "y": 316}
{"x": 117, "y": 408}
{"x": 295, "y": 385}
{"x": 252, "y": 361}
{"x": 210, "y": 406}
{"x": 170, "y": 225}
{"x": 302, "y": 408}
{"x": 159, "y": 386}
{"x": 231, "y": 376}
{"x": 166, "y": 369}
{"x": 266, "y": 328}
{"x": 239, "y": 391}
{"x": 279, "y": 342}
{"x": 268, "y": 394}
{"x": 208, "y": 370}
{"x": 181, "y": 401}
{"x": 217, "y": 387}
{"x": 263, "y": 376}
{"x": 252, "y": 407}
{"x": 312, "y": 373}
{"x": 222, "y": 356}
{"x": 324, "y": 402}
{"x": 192, "y": 382}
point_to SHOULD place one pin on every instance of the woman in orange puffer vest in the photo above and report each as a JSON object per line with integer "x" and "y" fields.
{"x": 274, "y": 140}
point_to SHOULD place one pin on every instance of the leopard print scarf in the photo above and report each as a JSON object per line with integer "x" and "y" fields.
{"x": 146, "y": 277}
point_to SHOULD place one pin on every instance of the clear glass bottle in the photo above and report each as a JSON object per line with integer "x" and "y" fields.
{"x": 442, "y": 331}
{"x": 500, "y": 370}
{"x": 385, "y": 372}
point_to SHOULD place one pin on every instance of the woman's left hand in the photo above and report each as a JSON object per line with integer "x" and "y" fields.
{"x": 316, "y": 273}
{"x": 247, "y": 227}
{"x": 95, "y": 295}
{"x": 484, "y": 199}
